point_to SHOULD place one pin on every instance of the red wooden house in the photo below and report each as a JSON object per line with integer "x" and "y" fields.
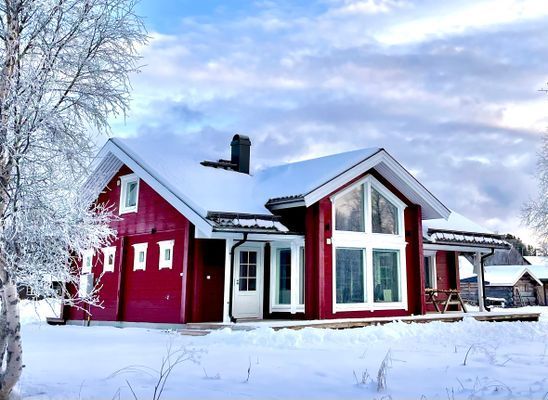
{"x": 348, "y": 235}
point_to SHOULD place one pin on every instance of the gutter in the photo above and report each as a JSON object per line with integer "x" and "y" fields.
{"x": 236, "y": 245}
{"x": 482, "y": 272}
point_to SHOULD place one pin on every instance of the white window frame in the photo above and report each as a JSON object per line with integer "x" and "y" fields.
{"x": 107, "y": 252}
{"x": 138, "y": 265}
{"x": 369, "y": 242}
{"x": 165, "y": 245}
{"x": 431, "y": 254}
{"x": 295, "y": 247}
{"x": 124, "y": 181}
{"x": 87, "y": 255}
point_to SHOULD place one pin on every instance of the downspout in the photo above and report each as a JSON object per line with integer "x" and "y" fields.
{"x": 237, "y": 244}
{"x": 483, "y": 258}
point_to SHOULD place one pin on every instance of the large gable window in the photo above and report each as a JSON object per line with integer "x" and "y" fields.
{"x": 368, "y": 248}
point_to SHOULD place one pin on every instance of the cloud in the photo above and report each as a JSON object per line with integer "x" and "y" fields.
{"x": 459, "y": 107}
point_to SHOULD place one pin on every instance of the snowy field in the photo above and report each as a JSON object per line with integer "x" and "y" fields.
{"x": 506, "y": 360}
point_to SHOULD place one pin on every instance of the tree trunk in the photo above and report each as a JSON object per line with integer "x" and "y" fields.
{"x": 11, "y": 336}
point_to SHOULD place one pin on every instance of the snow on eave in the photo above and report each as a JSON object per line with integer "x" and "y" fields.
{"x": 507, "y": 275}
{"x": 393, "y": 172}
{"x": 184, "y": 205}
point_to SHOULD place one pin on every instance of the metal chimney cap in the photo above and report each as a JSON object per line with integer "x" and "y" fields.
{"x": 241, "y": 140}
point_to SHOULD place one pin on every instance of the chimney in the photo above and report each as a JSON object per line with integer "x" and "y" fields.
{"x": 241, "y": 146}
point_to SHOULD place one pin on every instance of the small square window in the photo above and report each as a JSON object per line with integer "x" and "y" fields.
{"x": 129, "y": 193}
{"x": 166, "y": 254}
{"x": 140, "y": 256}
{"x": 108, "y": 259}
{"x": 87, "y": 261}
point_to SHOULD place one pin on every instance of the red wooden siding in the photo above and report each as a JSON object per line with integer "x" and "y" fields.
{"x": 152, "y": 295}
{"x": 447, "y": 273}
{"x": 208, "y": 274}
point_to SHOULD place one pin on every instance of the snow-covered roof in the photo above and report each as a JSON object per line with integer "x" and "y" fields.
{"x": 455, "y": 222}
{"x": 196, "y": 190}
{"x": 459, "y": 230}
{"x": 537, "y": 260}
{"x": 503, "y": 275}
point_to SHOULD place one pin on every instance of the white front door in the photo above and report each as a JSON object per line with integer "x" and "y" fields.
{"x": 248, "y": 283}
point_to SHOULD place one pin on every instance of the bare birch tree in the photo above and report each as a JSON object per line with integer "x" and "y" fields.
{"x": 64, "y": 68}
{"x": 535, "y": 213}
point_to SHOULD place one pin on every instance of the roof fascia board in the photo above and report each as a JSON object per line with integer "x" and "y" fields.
{"x": 381, "y": 156}
{"x": 462, "y": 249}
{"x": 287, "y": 204}
{"x": 140, "y": 168}
{"x": 251, "y": 236}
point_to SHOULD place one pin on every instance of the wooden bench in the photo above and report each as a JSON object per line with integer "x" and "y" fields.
{"x": 452, "y": 297}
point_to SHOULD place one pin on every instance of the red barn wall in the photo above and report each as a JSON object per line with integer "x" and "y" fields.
{"x": 152, "y": 295}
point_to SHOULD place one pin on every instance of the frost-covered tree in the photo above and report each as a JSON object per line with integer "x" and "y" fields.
{"x": 64, "y": 68}
{"x": 536, "y": 211}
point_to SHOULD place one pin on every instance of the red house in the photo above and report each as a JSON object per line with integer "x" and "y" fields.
{"x": 340, "y": 236}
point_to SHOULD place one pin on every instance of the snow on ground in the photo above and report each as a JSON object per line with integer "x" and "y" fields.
{"x": 505, "y": 360}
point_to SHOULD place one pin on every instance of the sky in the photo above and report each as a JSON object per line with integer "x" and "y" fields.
{"x": 449, "y": 88}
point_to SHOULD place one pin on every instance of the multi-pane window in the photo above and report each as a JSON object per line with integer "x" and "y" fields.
{"x": 108, "y": 258}
{"x": 129, "y": 193}
{"x": 166, "y": 254}
{"x": 248, "y": 271}
{"x": 369, "y": 247}
{"x": 287, "y": 272}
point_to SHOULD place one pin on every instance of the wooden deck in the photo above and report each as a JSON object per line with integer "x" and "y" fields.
{"x": 499, "y": 316}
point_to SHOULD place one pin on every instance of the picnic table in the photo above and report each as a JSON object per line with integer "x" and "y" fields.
{"x": 444, "y": 298}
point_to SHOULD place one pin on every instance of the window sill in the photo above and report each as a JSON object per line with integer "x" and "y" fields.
{"x": 127, "y": 210}
{"x": 286, "y": 308}
{"x": 369, "y": 307}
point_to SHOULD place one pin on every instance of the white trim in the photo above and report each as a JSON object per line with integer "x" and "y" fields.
{"x": 107, "y": 252}
{"x": 125, "y": 180}
{"x": 259, "y": 248}
{"x": 226, "y": 297}
{"x": 165, "y": 245}
{"x": 295, "y": 248}
{"x": 433, "y": 267}
{"x": 409, "y": 186}
{"x": 139, "y": 265}
{"x": 262, "y": 237}
{"x": 87, "y": 255}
